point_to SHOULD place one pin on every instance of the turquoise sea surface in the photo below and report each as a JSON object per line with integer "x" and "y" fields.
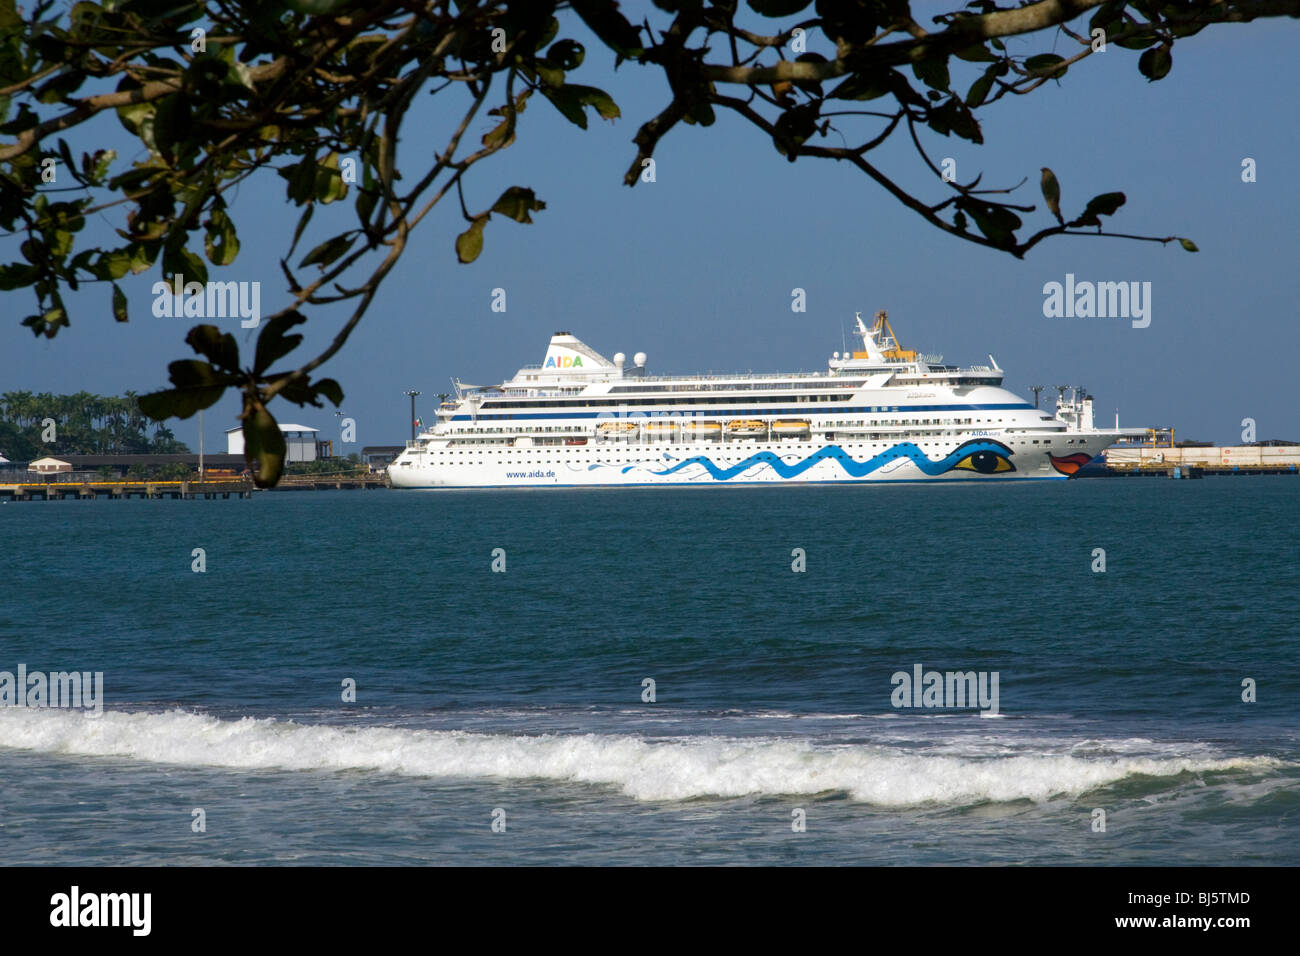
{"x": 505, "y": 716}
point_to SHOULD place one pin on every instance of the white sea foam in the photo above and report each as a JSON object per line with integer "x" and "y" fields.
{"x": 673, "y": 769}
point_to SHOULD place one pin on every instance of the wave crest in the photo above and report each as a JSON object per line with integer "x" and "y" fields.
{"x": 659, "y": 770}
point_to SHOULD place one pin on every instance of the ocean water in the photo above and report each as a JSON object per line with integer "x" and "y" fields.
{"x": 518, "y": 696}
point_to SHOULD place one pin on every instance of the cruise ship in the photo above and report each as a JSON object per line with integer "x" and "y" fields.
{"x": 881, "y": 413}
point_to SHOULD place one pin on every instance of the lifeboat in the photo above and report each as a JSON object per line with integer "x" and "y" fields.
{"x": 787, "y": 427}
{"x": 702, "y": 428}
{"x": 575, "y": 441}
{"x": 660, "y": 428}
{"x": 616, "y": 429}
{"x": 747, "y": 427}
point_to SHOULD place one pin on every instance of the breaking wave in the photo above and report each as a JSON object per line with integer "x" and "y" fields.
{"x": 666, "y": 769}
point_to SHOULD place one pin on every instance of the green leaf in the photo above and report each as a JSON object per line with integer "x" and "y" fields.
{"x": 1046, "y": 64}
{"x": 302, "y": 224}
{"x": 1109, "y": 17}
{"x": 221, "y": 244}
{"x": 132, "y": 178}
{"x": 329, "y": 250}
{"x": 1188, "y": 245}
{"x": 263, "y": 443}
{"x": 793, "y": 128}
{"x": 979, "y": 90}
{"x": 191, "y": 373}
{"x": 178, "y": 259}
{"x": 172, "y": 123}
{"x": 571, "y": 98}
{"x": 142, "y": 255}
{"x": 1104, "y": 205}
{"x": 330, "y": 389}
{"x": 198, "y": 386}
{"x": 551, "y": 76}
{"x": 119, "y": 304}
{"x": 1139, "y": 40}
{"x": 329, "y": 183}
{"x": 48, "y": 323}
{"x": 501, "y": 135}
{"x": 517, "y": 202}
{"x": 933, "y": 72}
{"x": 953, "y": 115}
{"x": 996, "y": 222}
{"x": 273, "y": 344}
{"x": 868, "y": 85}
{"x": 568, "y": 53}
{"x": 302, "y": 180}
{"x": 1155, "y": 63}
{"x": 179, "y": 402}
{"x": 614, "y": 30}
{"x": 99, "y": 163}
{"x": 216, "y": 346}
{"x": 16, "y": 275}
{"x": 470, "y": 242}
{"x": 975, "y": 54}
{"x": 367, "y": 198}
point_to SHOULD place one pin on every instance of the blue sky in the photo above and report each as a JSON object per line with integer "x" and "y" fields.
{"x": 697, "y": 268}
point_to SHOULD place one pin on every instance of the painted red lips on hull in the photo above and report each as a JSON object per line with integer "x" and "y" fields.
{"x": 1069, "y": 464}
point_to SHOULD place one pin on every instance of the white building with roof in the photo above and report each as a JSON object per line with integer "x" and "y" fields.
{"x": 299, "y": 442}
{"x": 49, "y": 466}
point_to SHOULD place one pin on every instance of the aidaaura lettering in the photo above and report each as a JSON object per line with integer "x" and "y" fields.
{"x": 209, "y": 300}
{"x": 69, "y": 689}
{"x": 1086, "y": 300}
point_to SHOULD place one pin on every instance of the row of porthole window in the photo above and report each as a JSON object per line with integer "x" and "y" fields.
{"x": 589, "y": 450}
{"x": 571, "y": 429}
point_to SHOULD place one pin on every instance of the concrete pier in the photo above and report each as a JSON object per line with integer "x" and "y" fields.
{"x": 121, "y": 490}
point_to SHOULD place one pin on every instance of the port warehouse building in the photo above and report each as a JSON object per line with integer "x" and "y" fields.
{"x": 300, "y": 443}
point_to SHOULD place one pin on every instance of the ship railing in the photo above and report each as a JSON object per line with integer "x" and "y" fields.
{"x": 822, "y": 379}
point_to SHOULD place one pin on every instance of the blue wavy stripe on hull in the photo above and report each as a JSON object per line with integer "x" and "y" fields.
{"x": 850, "y": 465}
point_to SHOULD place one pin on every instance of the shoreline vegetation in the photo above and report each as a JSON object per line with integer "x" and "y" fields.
{"x": 35, "y": 425}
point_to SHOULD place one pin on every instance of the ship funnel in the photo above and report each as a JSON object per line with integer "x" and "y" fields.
{"x": 567, "y": 353}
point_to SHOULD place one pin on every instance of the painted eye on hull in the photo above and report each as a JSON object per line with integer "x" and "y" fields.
{"x": 986, "y": 463}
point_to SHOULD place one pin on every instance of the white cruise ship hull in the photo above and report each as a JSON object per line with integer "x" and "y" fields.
{"x": 750, "y": 462}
